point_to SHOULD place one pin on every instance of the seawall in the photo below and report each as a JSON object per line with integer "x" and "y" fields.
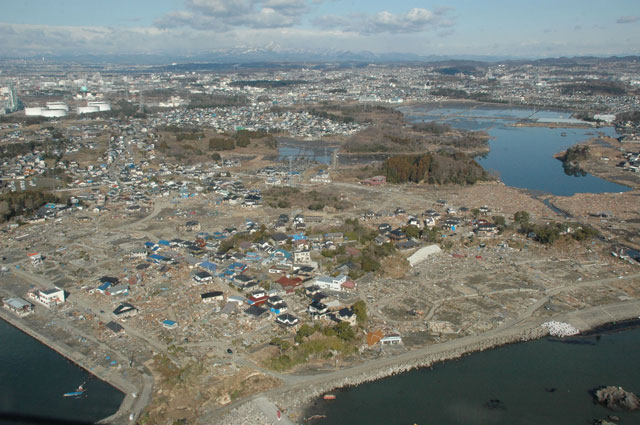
{"x": 112, "y": 377}
{"x": 294, "y": 398}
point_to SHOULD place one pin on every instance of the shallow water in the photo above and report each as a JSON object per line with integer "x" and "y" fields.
{"x": 523, "y": 156}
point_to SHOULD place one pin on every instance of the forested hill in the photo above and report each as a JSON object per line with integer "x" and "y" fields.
{"x": 434, "y": 168}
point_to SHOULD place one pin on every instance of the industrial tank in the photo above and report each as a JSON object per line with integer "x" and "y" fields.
{"x": 103, "y": 106}
{"x": 87, "y": 110}
{"x": 34, "y": 111}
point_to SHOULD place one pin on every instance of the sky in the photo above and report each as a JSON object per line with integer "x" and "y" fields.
{"x": 515, "y": 28}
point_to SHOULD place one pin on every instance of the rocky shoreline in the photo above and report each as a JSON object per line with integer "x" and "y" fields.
{"x": 298, "y": 400}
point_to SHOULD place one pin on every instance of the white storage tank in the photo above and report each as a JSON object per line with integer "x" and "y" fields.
{"x": 103, "y": 106}
{"x": 54, "y": 113}
{"x": 87, "y": 110}
{"x": 34, "y": 111}
{"x": 58, "y": 105}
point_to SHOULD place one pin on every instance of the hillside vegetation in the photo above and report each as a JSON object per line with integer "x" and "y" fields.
{"x": 434, "y": 168}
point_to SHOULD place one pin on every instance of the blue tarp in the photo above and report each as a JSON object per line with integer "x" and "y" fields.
{"x": 208, "y": 265}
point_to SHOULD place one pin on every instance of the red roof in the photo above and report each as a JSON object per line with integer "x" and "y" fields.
{"x": 287, "y": 281}
{"x": 257, "y": 300}
{"x": 349, "y": 284}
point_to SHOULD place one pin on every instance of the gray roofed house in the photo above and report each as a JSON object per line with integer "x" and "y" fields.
{"x": 279, "y": 238}
{"x": 125, "y": 310}
{"x": 202, "y": 276}
{"x": 287, "y": 319}
{"x": 212, "y": 296}
{"x": 18, "y": 306}
{"x": 256, "y": 311}
{"x": 118, "y": 290}
{"x": 114, "y": 327}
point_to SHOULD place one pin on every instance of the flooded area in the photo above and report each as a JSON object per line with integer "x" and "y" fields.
{"x": 523, "y": 157}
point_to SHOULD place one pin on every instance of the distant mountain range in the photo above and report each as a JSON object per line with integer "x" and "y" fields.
{"x": 273, "y": 57}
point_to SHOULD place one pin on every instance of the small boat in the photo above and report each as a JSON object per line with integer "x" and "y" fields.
{"x": 279, "y": 415}
{"x": 563, "y": 134}
{"x": 329, "y": 397}
{"x": 78, "y": 392}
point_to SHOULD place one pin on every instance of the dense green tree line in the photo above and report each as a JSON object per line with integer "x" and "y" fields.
{"x": 216, "y": 101}
{"x": 433, "y": 168}
{"x": 23, "y": 203}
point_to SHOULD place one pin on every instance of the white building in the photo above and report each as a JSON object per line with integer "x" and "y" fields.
{"x": 302, "y": 257}
{"x": 394, "y": 339}
{"x": 330, "y": 283}
{"x": 48, "y": 297}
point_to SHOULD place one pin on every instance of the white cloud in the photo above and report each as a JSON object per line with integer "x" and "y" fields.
{"x": 628, "y": 19}
{"x": 224, "y": 15}
{"x": 24, "y": 40}
{"x": 415, "y": 20}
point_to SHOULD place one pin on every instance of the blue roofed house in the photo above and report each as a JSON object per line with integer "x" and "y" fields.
{"x": 150, "y": 246}
{"x": 228, "y": 274}
{"x": 103, "y": 287}
{"x": 298, "y": 237}
{"x": 282, "y": 254}
{"x": 208, "y": 266}
{"x": 158, "y": 259}
{"x": 164, "y": 243}
{"x": 237, "y": 267}
{"x": 169, "y": 324}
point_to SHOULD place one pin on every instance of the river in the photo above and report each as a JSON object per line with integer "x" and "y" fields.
{"x": 546, "y": 381}
{"x": 523, "y": 156}
{"x": 33, "y": 379}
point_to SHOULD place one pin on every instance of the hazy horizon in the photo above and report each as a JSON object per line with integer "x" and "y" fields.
{"x": 497, "y": 28}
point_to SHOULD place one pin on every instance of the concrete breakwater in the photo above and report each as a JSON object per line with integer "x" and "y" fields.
{"x": 294, "y": 398}
{"x": 298, "y": 399}
{"x": 108, "y": 375}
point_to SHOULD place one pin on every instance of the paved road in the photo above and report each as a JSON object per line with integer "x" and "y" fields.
{"x": 271, "y": 411}
{"x": 88, "y": 306}
{"x": 130, "y": 404}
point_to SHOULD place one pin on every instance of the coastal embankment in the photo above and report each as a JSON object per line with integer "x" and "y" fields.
{"x": 294, "y": 398}
{"x": 138, "y": 382}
